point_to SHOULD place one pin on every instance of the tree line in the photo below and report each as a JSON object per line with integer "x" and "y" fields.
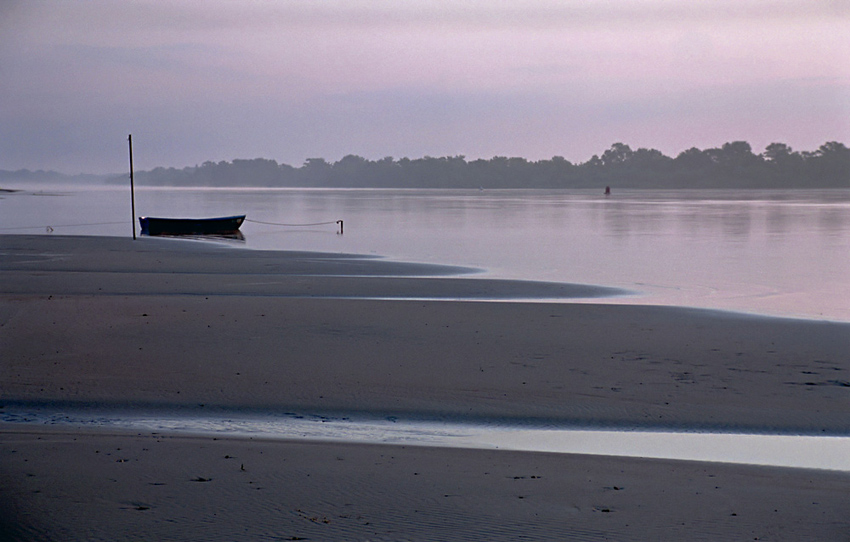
{"x": 733, "y": 165}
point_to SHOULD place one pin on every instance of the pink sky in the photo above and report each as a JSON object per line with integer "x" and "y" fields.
{"x": 287, "y": 80}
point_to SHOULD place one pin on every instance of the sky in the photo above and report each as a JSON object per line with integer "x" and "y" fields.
{"x": 199, "y": 80}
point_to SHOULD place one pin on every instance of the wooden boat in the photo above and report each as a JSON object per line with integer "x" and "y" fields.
{"x": 191, "y": 226}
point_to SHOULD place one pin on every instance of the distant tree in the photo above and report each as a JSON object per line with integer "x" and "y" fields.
{"x": 736, "y": 165}
{"x": 213, "y": 174}
{"x": 387, "y": 173}
{"x": 830, "y": 164}
{"x": 619, "y": 153}
{"x": 692, "y": 167}
{"x": 595, "y": 162}
{"x": 259, "y": 171}
{"x": 649, "y": 166}
{"x": 555, "y": 173}
{"x": 778, "y": 152}
{"x": 444, "y": 172}
{"x": 693, "y": 158}
{"x": 315, "y": 172}
{"x": 834, "y": 148}
{"x": 622, "y": 166}
{"x": 351, "y": 171}
{"x": 786, "y": 167}
{"x": 736, "y": 153}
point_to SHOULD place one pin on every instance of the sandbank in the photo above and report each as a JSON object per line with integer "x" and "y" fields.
{"x": 158, "y": 322}
{"x": 93, "y": 486}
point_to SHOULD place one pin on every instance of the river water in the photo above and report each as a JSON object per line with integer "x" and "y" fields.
{"x": 781, "y": 253}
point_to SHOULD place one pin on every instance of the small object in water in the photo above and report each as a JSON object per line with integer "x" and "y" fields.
{"x": 607, "y": 190}
{"x": 190, "y": 226}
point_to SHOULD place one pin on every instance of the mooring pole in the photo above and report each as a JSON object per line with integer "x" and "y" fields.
{"x": 340, "y": 226}
{"x": 132, "y": 188}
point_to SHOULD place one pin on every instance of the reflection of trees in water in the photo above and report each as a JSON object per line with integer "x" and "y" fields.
{"x": 780, "y": 220}
{"x": 737, "y": 221}
{"x": 705, "y": 218}
{"x": 636, "y": 218}
{"x": 832, "y": 221}
{"x": 733, "y": 165}
{"x": 692, "y": 221}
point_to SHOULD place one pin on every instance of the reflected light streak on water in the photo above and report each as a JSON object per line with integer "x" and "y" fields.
{"x": 831, "y": 453}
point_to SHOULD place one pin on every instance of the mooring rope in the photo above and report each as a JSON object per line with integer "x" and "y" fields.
{"x": 292, "y": 225}
{"x": 50, "y": 227}
{"x": 339, "y": 222}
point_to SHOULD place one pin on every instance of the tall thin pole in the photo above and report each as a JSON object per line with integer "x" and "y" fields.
{"x": 132, "y": 188}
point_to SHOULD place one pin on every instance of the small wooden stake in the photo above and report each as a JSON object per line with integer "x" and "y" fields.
{"x": 132, "y": 188}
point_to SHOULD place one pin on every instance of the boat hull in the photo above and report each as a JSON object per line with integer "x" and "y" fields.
{"x": 191, "y": 226}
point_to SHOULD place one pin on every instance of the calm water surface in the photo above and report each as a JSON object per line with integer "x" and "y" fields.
{"x": 784, "y": 252}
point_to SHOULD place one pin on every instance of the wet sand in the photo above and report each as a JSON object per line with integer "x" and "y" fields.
{"x": 88, "y": 486}
{"x": 159, "y": 322}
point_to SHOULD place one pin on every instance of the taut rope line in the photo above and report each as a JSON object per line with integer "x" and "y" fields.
{"x": 50, "y": 228}
{"x": 296, "y": 225}
{"x": 280, "y": 224}
{"x": 60, "y": 226}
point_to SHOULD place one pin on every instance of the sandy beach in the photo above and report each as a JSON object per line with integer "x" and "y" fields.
{"x": 165, "y": 323}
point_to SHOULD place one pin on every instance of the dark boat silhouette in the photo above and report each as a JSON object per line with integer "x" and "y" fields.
{"x": 191, "y": 226}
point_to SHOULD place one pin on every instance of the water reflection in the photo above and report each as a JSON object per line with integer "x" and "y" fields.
{"x": 796, "y": 451}
{"x": 832, "y": 222}
{"x": 234, "y": 237}
{"x": 736, "y": 222}
{"x": 779, "y": 221}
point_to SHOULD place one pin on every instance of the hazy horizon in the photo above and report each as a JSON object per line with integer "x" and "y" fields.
{"x": 291, "y": 80}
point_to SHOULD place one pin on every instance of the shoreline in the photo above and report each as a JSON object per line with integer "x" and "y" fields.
{"x": 90, "y": 414}
{"x": 88, "y": 320}
{"x": 823, "y": 452}
{"x": 223, "y": 489}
